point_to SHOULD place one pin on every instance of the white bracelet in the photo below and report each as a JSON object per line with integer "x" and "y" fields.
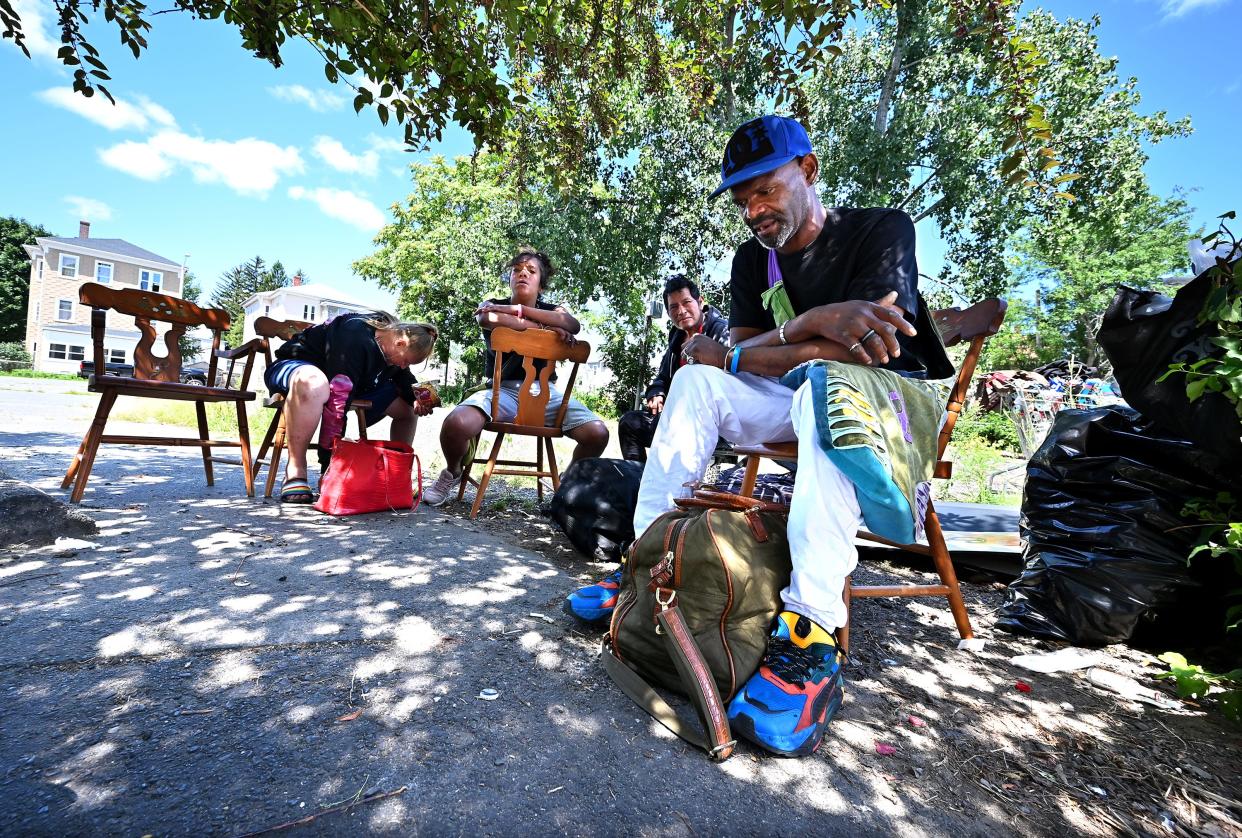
{"x": 781, "y": 334}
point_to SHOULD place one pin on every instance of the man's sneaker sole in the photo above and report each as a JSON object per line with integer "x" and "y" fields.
{"x": 830, "y": 699}
{"x": 600, "y": 614}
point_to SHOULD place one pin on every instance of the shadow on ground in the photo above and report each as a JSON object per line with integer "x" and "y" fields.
{"x": 216, "y": 665}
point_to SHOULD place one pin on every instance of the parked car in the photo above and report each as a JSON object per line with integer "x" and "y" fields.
{"x": 195, "y": 373}
{"x": 87, "y": 368}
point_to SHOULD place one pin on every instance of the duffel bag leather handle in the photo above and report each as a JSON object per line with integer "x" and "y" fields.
{"x": 696, "y": 677}
{"x": 710, "y": 499}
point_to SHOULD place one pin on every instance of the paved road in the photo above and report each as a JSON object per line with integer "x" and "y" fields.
{"x": 216, "y": 665}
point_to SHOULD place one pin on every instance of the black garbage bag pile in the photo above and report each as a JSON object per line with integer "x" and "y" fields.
{"x": 1106, "y": 545}
{"x": 594, "y": 505}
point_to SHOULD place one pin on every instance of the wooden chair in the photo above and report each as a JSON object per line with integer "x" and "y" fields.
{"x": 268, "y": 330}
{"x": 531, "y": 419}
{"x": 975, "y": 324}
{"x": 159, "y": 378}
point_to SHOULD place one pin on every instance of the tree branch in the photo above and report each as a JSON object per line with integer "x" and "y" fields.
{"x": 935, "y": 205}
{"x": 902, "y": 204}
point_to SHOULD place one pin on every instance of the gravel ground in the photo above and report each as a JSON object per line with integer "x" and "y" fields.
{"x": 216, "y": 665}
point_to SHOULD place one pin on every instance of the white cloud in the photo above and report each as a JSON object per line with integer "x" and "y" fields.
{"x": 338, "y": 157}
{"x": 344, "y": 205}
{"x": 37, "y": 20}
{"x": 317, "y": 100}
{"x": 88, "y": 209}
{"x": 141, "y": 116}
{"x": 379, "y": 143}
{"x": 1177, "y": 8}
{"x": 248, "y": 166}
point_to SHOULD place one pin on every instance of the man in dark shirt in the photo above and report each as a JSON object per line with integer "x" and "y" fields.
{"x": 813, "y": 283}
{"x": 689, "y": 317}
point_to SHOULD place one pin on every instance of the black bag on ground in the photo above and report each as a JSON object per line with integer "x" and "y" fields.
{"x": 594, "y": 505}
{"x": 1106, "y": 547}
{"x": 1143, "y": 332}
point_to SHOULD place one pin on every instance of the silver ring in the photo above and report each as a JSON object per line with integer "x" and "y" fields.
{"x": 870, "y": 334}
{"x": 855, "y": 347}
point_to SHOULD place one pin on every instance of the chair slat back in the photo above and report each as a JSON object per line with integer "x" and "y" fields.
{"x": 144, "y": 307}
{"x": 268, "y": 328}
{"x": 533, "y": 345}
{"x": 975, "y": 324}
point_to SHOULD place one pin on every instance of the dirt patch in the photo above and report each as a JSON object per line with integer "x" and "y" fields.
{"x": 970, "y": 731}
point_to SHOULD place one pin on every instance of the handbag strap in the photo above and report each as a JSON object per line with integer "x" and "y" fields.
{"x": 696, "y": 677}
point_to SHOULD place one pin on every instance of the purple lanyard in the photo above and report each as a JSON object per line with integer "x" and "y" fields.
{"x": 774, "y": 269}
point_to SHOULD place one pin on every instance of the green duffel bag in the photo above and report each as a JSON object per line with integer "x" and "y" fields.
{"x": 698, "y": 595}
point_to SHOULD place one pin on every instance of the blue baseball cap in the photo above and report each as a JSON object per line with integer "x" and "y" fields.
{"x": 760, "y": 146}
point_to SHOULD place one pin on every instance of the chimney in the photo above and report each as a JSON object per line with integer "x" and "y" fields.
{"x": 84, "y": 229}
{"x": 297, "y": 280}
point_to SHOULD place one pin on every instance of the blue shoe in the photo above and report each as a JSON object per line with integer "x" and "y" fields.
{"x": 786, "y": 706}
{"x": 595, "y": 603}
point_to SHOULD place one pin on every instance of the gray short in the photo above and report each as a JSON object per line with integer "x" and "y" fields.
{"x": 576, "y": 414}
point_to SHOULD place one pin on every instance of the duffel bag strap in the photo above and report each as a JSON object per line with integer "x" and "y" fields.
{"x": 696, "y": 677}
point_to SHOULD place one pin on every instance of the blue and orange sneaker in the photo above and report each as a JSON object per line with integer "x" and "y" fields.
{"x": 595, "y": 603}
{"x": 786, "y": 706}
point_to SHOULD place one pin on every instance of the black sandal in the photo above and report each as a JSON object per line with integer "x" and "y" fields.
{"x": 296, "y": 490}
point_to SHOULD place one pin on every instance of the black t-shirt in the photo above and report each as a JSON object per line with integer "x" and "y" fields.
{"x": 345, "y": 345}
{"x": 511, "y": 368}
{"x": 861, "y": 254}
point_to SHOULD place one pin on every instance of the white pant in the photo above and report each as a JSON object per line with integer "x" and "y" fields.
{"x": 704, "y": 403}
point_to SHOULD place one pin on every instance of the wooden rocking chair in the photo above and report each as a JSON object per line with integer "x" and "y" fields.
{"x": 160, "y": 378}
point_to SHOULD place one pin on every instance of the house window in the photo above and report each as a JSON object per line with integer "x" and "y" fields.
{"x": 267, "y": 310}
{"x": 39, "y": 267}
{"x": 103, "y": 272}
{"x": 56, "y": 350}
{"x": 64, "y": 309}
{"x": 68, "y": 265}
{"x": 77, "y": 353}
{"x": 308, "y": 313}
{"x": 150, "y": 280}
{"x": 115, "y": 356}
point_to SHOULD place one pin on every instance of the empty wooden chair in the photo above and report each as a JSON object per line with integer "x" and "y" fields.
{"x": 157, "y": 377}
{"x": 531, "y": 418}
{"x": 975, "y": 324}
{"x": 267, "y": 330}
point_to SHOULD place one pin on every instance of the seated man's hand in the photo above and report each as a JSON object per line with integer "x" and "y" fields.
{"x": 422, "y": 408}
{"x": 701, "y": 349}
{"x": 867, "y": 330}
{"x": 655, "y": 404}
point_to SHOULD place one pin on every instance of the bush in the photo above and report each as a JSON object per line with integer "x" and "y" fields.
{"x": 599, "y": 401}
{"x": 990, "y": 427}
{"x": 14, "y": 352}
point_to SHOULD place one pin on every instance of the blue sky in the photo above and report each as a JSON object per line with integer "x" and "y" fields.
{"x": 217, "y": 154}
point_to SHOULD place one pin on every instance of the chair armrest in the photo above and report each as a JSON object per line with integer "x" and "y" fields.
{"x": 245, "y": 349}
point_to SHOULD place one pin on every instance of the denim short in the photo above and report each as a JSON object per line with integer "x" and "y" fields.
{"x": 576, "y": 414}
{"x": 277, "y": 376}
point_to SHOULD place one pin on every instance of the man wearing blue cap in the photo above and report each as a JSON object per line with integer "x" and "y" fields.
{"x": 813, "y": 283}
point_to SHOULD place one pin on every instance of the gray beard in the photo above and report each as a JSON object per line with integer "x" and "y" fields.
{"x": 784, "y": 234}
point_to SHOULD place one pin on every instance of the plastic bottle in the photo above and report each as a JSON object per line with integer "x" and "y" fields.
{"x": 333, "y": 422}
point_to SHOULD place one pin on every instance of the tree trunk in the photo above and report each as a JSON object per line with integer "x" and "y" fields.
{"x": 726, "y": 81}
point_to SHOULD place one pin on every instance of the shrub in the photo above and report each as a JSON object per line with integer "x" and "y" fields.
{"x": 14, "y": 352}
{"x": 600, "y": 401}
{"x": 991, "y": 427}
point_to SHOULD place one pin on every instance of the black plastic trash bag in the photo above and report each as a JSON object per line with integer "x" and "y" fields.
{"x": 595, "y": 503}
{"x": 1143, "y": 332}
{"x": 1106, "y": 547}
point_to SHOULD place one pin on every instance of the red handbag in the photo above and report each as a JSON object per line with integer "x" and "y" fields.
{"x": 369, "y": 476}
